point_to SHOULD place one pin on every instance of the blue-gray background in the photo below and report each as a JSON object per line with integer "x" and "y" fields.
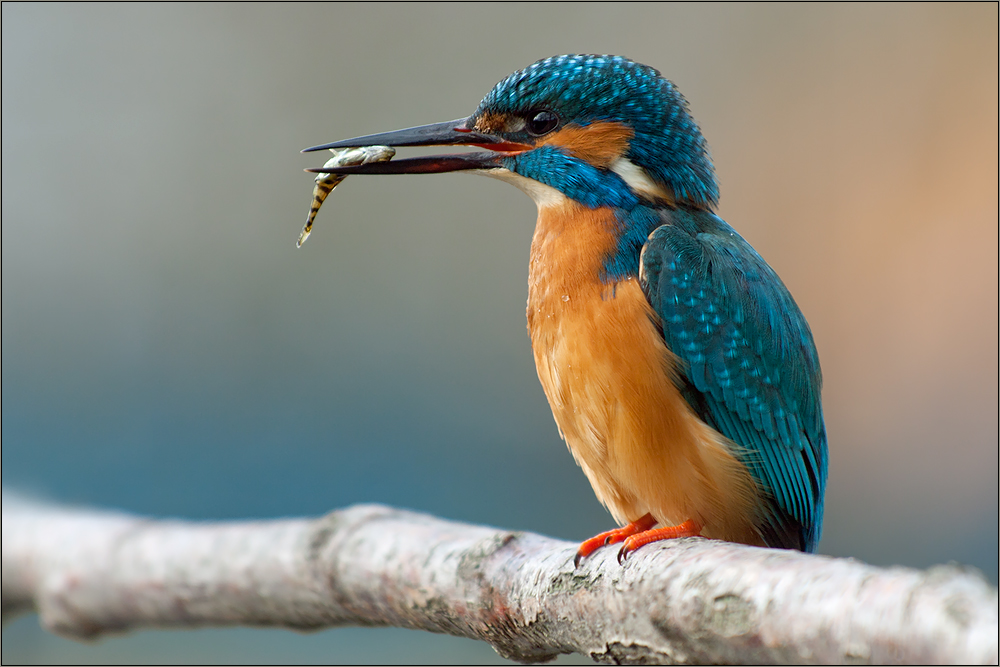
{"x": 167, "y": 350}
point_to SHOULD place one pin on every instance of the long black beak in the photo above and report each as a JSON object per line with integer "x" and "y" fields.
{"x": 451, "y": 133}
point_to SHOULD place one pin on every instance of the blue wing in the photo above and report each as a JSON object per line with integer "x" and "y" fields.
{"x": 749, "y": 365}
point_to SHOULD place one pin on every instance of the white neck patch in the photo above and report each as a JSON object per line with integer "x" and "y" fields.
{"x": 639, "y": 181}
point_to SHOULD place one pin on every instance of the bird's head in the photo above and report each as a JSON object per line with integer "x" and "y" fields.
{"x": 601, "y": 130}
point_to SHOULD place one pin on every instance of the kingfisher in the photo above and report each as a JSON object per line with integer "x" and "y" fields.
{"x": 679, "y": 369}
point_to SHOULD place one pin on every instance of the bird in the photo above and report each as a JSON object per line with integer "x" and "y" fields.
{"x": 680, "y": 372}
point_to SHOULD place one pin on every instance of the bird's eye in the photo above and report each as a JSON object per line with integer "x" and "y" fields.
{"x": 540, "y": 122}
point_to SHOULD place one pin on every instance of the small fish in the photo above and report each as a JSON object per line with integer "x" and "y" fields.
{"x": 325, "y": 183}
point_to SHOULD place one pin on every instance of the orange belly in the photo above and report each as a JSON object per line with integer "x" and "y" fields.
{"x": 608, "y": 376}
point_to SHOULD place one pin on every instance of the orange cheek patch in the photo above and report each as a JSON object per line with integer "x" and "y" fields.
{"x": 600, "y": 144}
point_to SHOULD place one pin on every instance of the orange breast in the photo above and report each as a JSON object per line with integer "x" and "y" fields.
{"x": 608, "y": 376}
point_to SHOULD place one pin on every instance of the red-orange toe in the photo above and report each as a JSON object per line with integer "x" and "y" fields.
{"x": 687, "y": 529}
{"x": 641, "y": 525}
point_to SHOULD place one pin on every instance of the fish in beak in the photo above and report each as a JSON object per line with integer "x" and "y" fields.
{"x": 451, "y": 133}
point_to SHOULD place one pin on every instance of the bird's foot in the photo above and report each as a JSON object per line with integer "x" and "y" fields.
{"x": 641, "y": 525}
{"x": 687, "y": 529}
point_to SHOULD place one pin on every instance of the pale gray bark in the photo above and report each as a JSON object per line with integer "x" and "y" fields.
{"x": 691, "y": 600}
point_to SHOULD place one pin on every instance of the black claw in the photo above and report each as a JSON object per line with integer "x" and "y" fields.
{"x": 622, "y": 555}
{"x": 577, "y": 559}
{"x": 607, "y": 540}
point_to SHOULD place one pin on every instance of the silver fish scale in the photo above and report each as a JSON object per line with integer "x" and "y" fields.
{"x": 325, "y": 183}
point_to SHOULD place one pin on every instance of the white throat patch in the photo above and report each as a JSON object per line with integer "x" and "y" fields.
{"x": 544, "y": 195}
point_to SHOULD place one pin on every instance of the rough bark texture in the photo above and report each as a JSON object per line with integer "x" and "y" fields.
{"x": 690, "y": 600}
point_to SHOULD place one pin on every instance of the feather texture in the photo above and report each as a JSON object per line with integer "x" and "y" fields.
{"x": 609, "y": 378}
{"x": 748, "y": 364}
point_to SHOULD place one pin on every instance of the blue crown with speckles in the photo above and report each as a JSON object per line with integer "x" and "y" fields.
{"x": 583, "y": 89}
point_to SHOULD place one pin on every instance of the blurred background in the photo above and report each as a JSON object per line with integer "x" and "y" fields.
{"x": 168, "y": 351}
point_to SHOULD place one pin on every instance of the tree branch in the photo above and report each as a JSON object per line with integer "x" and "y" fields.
{"x": 692, "y": 600}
